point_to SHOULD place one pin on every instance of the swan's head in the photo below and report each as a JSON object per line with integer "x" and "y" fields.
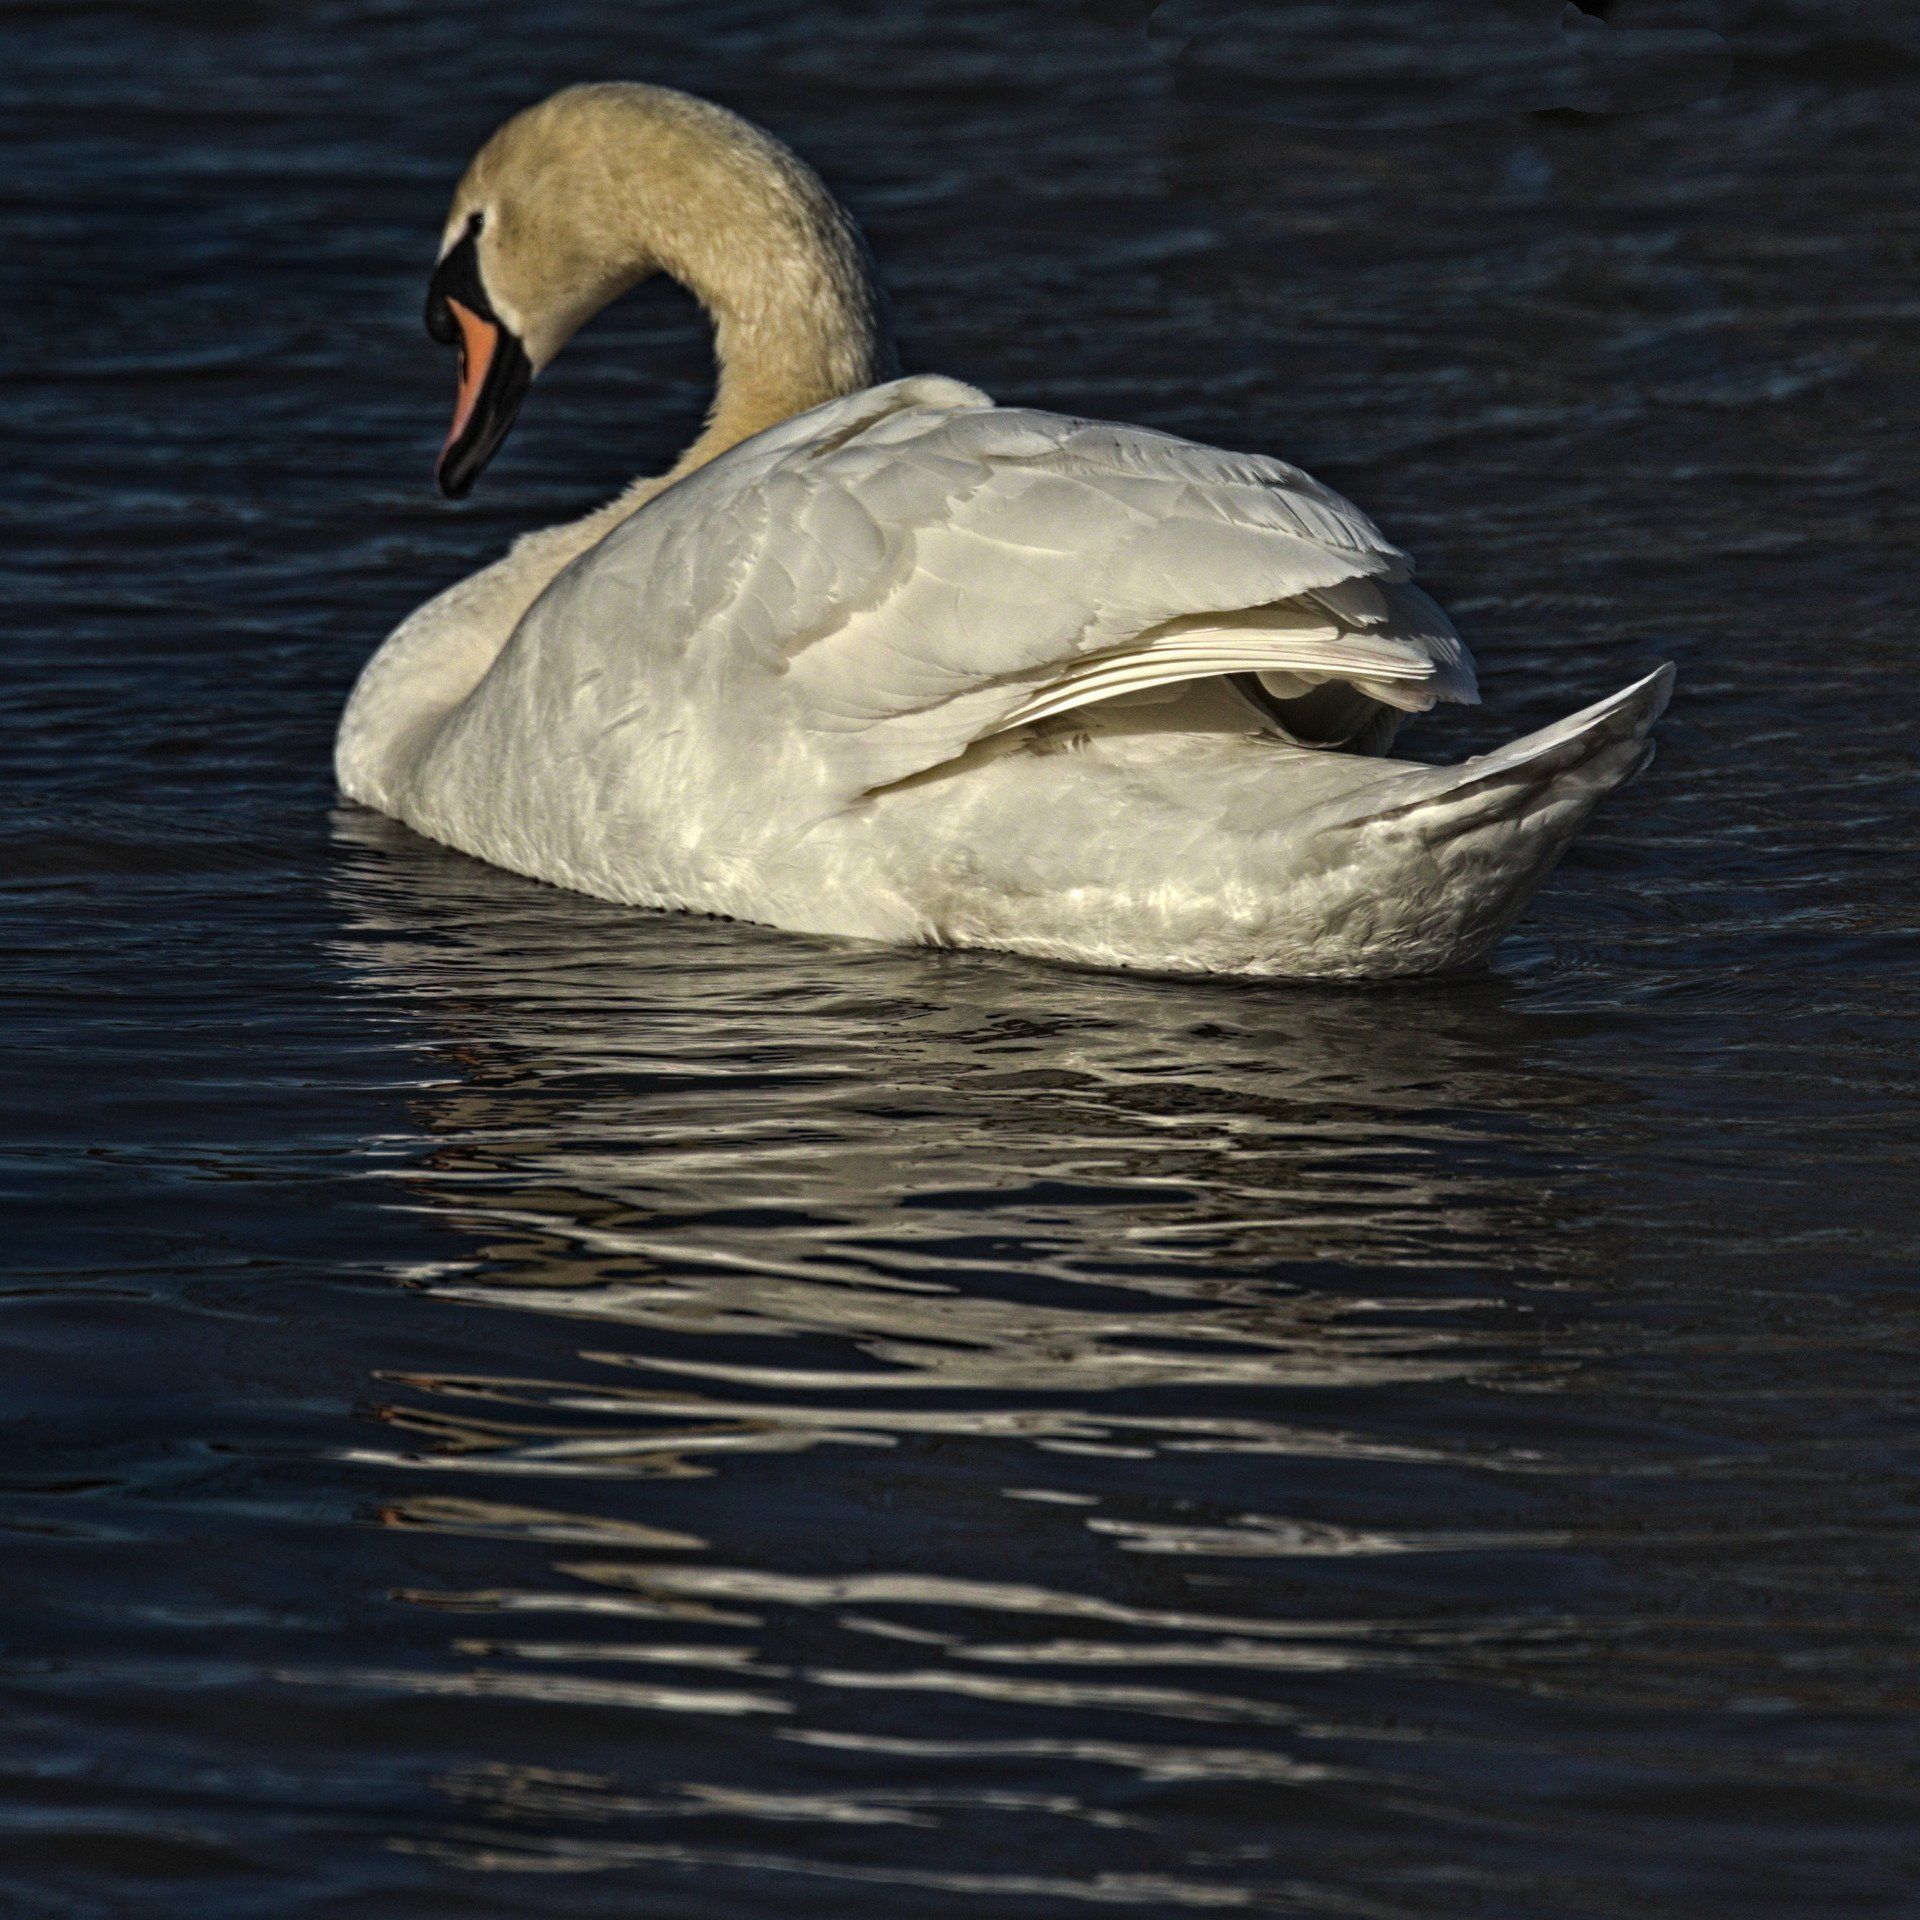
{"x": 577, "y": 199}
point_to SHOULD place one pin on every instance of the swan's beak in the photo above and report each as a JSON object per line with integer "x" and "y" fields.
{"x": 494, "y": 376}
{"x": 494, "y": 369}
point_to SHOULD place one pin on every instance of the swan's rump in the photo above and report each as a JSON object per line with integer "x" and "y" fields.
{"x": 1174, "y": 851}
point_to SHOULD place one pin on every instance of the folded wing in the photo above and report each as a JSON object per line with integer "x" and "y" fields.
{"x": 916, "y": 569}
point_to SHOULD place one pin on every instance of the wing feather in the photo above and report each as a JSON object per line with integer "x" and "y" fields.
{"x": 1163, "y": 661}
{"x": 914, "y": 569}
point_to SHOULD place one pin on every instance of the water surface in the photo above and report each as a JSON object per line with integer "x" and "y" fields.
{"x": 518, "y": 1407}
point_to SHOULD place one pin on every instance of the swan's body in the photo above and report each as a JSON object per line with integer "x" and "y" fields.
{"x": 904, "y": 665}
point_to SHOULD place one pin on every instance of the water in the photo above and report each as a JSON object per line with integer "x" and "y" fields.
{"x": 523, "y": 1408}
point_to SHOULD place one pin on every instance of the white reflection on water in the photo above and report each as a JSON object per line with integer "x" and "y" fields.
{"x": 838, "y": 1195}
{"x": 906, "y": 1335}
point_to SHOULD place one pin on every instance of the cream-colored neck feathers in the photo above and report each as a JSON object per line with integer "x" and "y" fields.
{"x": 597, "y": 188}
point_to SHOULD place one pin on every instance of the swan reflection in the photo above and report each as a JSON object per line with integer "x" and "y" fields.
{"x": 912, "y": 1360}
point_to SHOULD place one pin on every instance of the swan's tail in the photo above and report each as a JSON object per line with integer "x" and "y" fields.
{"x": 1439, "y": 861}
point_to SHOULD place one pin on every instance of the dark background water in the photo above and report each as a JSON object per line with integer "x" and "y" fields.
{"x": 516, "y": 1407}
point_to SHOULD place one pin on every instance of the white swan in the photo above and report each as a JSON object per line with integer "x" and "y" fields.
{"x": 879, "y": 658}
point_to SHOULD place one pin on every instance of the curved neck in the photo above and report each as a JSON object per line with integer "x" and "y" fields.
{"x": 812, "y": 330}
{"x": 601, "y": 186}
{"x": 789, "y": 288}
{"x": 775, "y": 358}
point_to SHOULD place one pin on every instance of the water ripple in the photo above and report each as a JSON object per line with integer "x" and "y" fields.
{"x": 520, "y": 1407}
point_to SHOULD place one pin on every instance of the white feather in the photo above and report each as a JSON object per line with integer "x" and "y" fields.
{"x": 1198, "y": 655}
{"x": 739, "y": 699}
{"x": 810, "y": 676}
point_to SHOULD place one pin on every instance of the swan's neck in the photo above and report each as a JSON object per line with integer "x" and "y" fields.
{"x": 771, "y": 365}
{"x": 661, "y": 183}
{"x": 797, "y": 319}
{"x": 779, "y": 268}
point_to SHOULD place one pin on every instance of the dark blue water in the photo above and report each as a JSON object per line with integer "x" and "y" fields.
{"x": 517, "y": 1407}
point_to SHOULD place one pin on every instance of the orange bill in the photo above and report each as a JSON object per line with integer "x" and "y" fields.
{"x": 479, "y": 341}
{"x": 494, "y": 369}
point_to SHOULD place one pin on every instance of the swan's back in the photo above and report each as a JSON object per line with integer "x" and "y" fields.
{"x": 864, "y": 593}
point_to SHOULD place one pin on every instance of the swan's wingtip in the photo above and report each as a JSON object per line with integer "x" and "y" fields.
{"x": 1640, "y": 703}
{"x": 1657, "y": 687}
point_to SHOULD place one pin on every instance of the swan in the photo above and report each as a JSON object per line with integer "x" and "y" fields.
{"x": 879, "y": 658}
